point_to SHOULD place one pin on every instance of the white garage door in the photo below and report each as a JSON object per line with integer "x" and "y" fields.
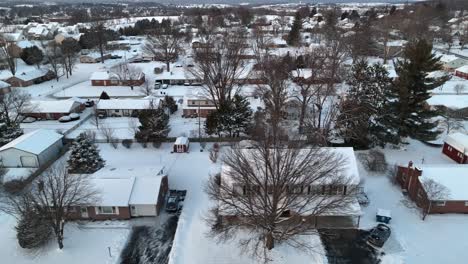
{"x": 28, "y": 161}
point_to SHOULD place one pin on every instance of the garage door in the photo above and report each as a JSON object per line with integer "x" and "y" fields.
{"x": 28, "y": 161}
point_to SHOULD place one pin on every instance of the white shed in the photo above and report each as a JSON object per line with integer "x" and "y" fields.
{"x": 31, "y": 150}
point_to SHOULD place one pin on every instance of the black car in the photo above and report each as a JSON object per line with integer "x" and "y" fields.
{"x": 172, "y": 203}
{"x": 89, "y": 103}
{"x": 379, "y": 235}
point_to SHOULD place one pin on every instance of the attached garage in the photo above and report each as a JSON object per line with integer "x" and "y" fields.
{"x": 148, "y": 196}
{"x": 31, "y": 150}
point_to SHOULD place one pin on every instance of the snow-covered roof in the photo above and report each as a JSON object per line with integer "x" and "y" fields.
{"x": 34, "y": 142}
{"x": 60, "y": 106}
{"x": 109, "y": 172}
{"x": 113, "y": 191}
{"x": 181, "y": 141}
{"x": 24, "y": 44}
{"x": 103, "y": 75}
{"x": 459, "y": 141}
{"x": 463, "y": 69}
{"x": 349, "y": 172}
{"x": 4, "y": 85}
{"x": 452, "y": 177}
{"x": 130, "y": 104}
{"x": 146, "y": 190}
{"x": 384, "y": 212}
{"x": 448, "y": 58}
{"x": 31, "y": 75}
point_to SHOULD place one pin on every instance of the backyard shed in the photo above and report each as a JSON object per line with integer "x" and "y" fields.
{"x": 31, "y": 150}
{"x": 181, "y": 145}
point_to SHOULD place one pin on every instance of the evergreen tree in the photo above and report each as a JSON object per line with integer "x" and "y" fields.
{"x": 32, "y": 55}
{"x": 104, "y": 96}
{"x": 359, "y": 122}
{"x": 232, "y": 118}
{"x": 8, "y": 132}
{"x": 32, "y": 230}
{"x": 84, "y": 156}
{"x": 411, "y": 114}
{"x": 170, "y": 103}
{"x": 295, "y": 33}
{"x": 154, "y": 125}
{"x": 313, "y": 12}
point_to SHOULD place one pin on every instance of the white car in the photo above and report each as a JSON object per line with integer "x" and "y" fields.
{"x": 65, "y": 119}
{"x": 74, "y": 116}
{"x": 164, "y": 86}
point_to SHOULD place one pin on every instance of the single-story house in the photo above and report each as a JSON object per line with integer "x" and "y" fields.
{"x": 126, "y": 193}
{"x": 4, "y": 87}
{"x": 196, "y": 105}
{"x": 177, "y": 76}
{"x": 126, "y": 107}
{"x": 456, "y": 147}
{"x": 181, "y": 145}
{"x": 448, "y": 181}
{"x": 324, "y": 191}
{"x": 31, "y": 150}
{"x": 53, "y": 110}
{"x": 106, "y": 78}
{"x": 29, "y": 78}
{"x": 462, "y": 72}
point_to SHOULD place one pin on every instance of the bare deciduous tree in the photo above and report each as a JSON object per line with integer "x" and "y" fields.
{"x": 13, "y": 105}
{"x": 127, "y": 73}
{"x": 459, "y": 88}
{"x": 7, "y": 54}
{"x": 434, "y": 192}
{"x": 164, "y": 45}
{"x": 219, "y": 64}
{"x": 53, "y": 56}
{"x": 277, "y": 194}
{"x": 56, "y": 195}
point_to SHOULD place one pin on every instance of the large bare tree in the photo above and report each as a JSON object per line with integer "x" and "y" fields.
{"x": 53, "y": 55}
{"x": 13, "y": 105}
{"x": 277, "y": 194}
{"x": 219, "y": 63}
{"x": 164, "y": 45}
{"x": 435, "y": 192}
{"x": 55, "y": 195}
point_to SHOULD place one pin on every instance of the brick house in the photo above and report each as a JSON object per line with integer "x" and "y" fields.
{"x": 456, "y": 147}
{"x": 53, "y": 110}
{"x": 194, "y": 104}
{"x": 347, "y": 216}
{"x": 29, "y": 78}
{"x": 462, "y": 72}
{"x": 112, "y": 79}
{"x": 125, "y": 193}
{"x": 451, "y": 177}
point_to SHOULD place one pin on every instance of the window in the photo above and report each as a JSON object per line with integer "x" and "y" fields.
{"x": 295, "y": 189}
{"x": 440, "y": 203}
{"x": 107, "y": 210}
{"x": 316, "y": 189}
{"x": 466, "y": 203}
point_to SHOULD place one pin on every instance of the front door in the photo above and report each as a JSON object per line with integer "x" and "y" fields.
{"x": 84, "y": 212}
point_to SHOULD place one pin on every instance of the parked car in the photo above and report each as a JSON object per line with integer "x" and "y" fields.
{"x": 363, "y": 199}
{"x": 29, "y": 119}
{"x": 164, "y": 86}
{"x": 172, "y": 203}
{"x": 89, "y": 103}
{"x": 74, "y": 116}
{"x": 65, "y": 119}
{"x": 379, "y": 235}
{"x": 157, "y": 85}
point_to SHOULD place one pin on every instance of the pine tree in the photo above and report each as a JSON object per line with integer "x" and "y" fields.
{"x": 154, "y": 125}
{"x": 295, "y": 33}
{"x": 411, "y": 114}
{"x": 32, "y": 55}
{"x": 84, "y": 156}
{"x": 104, "y": 96}
{"x": 8, "y": 132}
{"x": 242, "y": 114}
{"x": 360, "y": 113}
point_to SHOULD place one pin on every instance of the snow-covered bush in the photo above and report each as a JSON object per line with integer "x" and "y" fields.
{"x": 127, "y": 143}
{"x": 32, "y": 230}
{"x": 375, "y": 161}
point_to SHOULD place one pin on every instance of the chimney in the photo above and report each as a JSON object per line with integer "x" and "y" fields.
{"x": 410, "y": 164}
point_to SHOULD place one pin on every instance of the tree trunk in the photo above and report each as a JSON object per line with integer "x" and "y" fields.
{"x": 302, "y": 115}
{"x": 168, "y": 66}
{"x": 269, "y": 241}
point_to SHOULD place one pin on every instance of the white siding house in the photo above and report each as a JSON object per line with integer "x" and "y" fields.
{"x": 31, "y": 150}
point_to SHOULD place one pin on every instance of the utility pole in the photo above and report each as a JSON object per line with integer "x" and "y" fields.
{"x": 199, "y": 123}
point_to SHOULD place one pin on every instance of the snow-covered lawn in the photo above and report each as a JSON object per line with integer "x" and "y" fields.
{"x": 81, "y": 245}
{"x": 123, "y": 127}
{"x": 413, "y": 240}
